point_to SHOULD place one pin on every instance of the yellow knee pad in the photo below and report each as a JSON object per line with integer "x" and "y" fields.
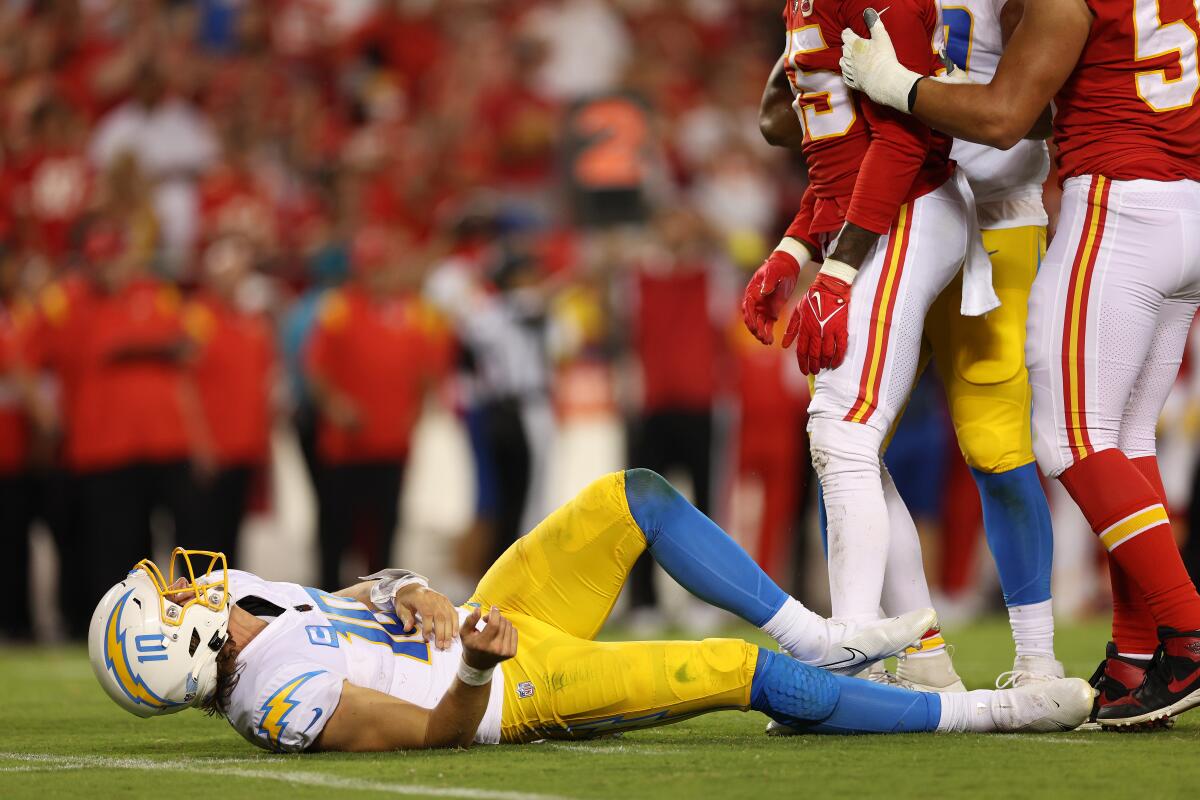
{"x": 993, "y": 427}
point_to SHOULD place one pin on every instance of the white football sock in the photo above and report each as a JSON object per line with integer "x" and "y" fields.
{"x": 1033, "y": 629}
{"x": 904, "y": 586}
{"x": 967, "y": 711}
{"x": 803, "y": 633}
{"x": 846, "y": 458}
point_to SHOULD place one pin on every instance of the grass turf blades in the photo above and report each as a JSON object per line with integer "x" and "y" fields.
{"x": 62, "y": 737}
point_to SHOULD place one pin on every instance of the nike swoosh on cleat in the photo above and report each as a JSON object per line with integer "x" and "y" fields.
{"x": 856, "y": 657}
{"x": 1175, "y": 686}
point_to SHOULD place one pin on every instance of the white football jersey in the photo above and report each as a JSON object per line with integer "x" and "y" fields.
{"x": 1007, "y": 183}
{"x": 292, "y": 672}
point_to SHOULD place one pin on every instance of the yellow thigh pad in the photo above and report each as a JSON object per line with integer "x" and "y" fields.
{"x": 561, "y": 686}
{"x": 981, "y": 360}
{"x": 569, "y": 570}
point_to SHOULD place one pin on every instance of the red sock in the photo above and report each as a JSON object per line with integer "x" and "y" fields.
{"x": 1148, "y": 466}
{"x": 1126, "y": 512}
{"x": 1133, "y": 625}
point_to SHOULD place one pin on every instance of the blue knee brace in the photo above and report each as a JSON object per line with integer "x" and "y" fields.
{"x": 696, "y": 553}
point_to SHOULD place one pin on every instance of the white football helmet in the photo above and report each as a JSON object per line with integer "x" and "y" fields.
{"x": 154, "y": 644}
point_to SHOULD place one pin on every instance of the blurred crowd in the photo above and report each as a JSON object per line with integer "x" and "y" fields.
{"x": 223, "y": 219}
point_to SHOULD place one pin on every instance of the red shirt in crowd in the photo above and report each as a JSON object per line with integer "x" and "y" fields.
{"x": 121, "y": 392}
{"x": 233, "y": 199}
{"x": 676, "y": 340}
{"x": 15, "y": 323}
{"x": 380, "y": 353}
{"x": 51, "y": 189}
{"x": 233, "y": 377}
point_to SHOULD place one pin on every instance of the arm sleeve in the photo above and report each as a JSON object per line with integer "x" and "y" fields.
{"x": 899, "y": 142}
{"x": 293, "y": 707}
{"x": 800, "y": 228}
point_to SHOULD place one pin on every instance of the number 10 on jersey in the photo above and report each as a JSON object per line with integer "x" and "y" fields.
{"x": 823, "y": 103}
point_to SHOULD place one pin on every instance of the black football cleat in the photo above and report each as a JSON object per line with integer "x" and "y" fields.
{"x": 1114, "y": 680}
{"x": 1171, "y": 686}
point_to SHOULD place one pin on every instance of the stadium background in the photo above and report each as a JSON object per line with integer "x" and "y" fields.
{"x": 453, "y": 258}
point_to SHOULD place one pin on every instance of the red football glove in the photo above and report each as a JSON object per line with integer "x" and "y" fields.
{"x": 819, "y": 322}
{"x": 768, "y": 291}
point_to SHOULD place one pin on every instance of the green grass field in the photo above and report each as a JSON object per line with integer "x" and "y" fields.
{"x": 62, "y": 737}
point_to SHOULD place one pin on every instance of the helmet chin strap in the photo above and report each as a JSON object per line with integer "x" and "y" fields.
{"x": 204, "y": 681}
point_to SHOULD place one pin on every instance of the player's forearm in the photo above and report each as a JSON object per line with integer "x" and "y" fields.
{"x": 455, "y": 720}
{"x": 360, "y": 592}
{"x": 975, "y": 112}
{"x": 853, "y": 245}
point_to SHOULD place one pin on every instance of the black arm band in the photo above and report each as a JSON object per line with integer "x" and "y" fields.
{"x": 912, "y": 94}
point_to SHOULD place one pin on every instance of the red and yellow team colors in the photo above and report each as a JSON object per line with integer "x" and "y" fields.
{"x": 1112, "y": 305}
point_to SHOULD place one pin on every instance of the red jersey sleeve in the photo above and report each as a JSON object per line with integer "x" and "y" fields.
{"x": 801, "y": 227}
{"x": 900, "y": 143}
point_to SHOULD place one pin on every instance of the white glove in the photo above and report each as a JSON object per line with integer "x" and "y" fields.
{"x": 953, "y": 74}
{"x": 871, "y": 66}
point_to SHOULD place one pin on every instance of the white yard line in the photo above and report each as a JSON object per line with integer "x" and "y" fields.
{"x": 38, "y": 761}
{"x": 609, "y": 749}
{"x": 1043, "y": 738}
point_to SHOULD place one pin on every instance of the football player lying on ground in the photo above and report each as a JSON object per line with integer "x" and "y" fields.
{"x": 390, "y": 664}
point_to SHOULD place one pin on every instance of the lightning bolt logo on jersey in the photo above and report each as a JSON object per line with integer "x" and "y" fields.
{"x": 279, "y": 705}
{"x": 292, "y": 672}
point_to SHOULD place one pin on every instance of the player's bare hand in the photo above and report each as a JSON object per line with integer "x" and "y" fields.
{"x": 768, "y": 291}
{"x": 433, "y": 611}
{"x": 484, "y": 649}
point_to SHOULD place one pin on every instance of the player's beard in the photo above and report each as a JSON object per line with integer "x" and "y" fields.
{"x": 228, "y": 672}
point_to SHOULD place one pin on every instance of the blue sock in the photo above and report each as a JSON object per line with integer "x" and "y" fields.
{"x": 1016, "y": 518}
{"x": 820, "y": 702}
{"x": 696, "y": 553}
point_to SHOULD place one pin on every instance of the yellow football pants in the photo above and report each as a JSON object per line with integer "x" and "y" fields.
{"x": 981, "y": 360}
{"x": 558, "y": 585}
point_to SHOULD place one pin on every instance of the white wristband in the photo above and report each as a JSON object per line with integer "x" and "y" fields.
{"x": 839, "y": 269}
{"x": 388, "y": 582}
{"x": 795, "y": 249}
{"x": 474, "y": 677}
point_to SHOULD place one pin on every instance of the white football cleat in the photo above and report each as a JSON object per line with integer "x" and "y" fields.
{"x": 779, "y": 729}
{"x": 863, "y": 645}
{"x": 1062, "y": 704}
{"x": 1029, "y": 670}
{"x": 932, "y": 672}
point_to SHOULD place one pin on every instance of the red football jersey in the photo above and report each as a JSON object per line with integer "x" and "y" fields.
{"x": 864, "y": 160}
{"x": 1129, "y": 109}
